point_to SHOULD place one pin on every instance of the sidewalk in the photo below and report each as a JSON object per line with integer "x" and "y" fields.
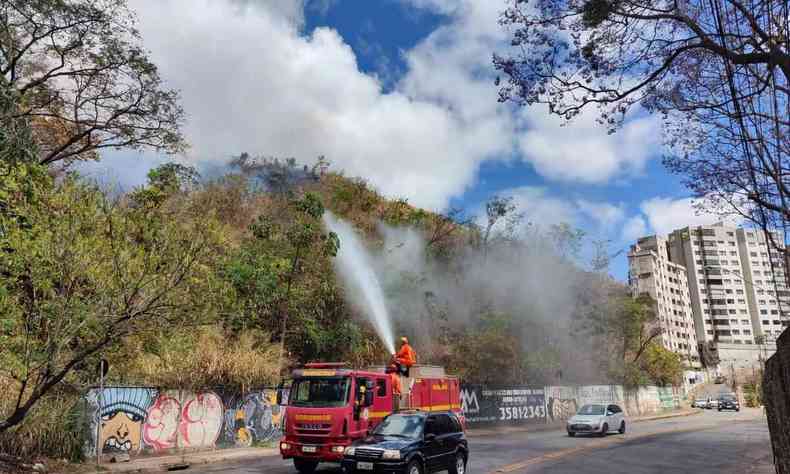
{"x": 173, "y": 462}
{"x": 560, "y": 425}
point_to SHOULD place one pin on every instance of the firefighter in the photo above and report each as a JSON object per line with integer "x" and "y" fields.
{"x": 392, "y": 370}
{"x": 405, "y": 358}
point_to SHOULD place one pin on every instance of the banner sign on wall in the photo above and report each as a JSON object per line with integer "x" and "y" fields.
{"x": 517, "y": 405}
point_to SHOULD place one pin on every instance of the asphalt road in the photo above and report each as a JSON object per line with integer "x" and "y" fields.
{"x": 712, "y": 442}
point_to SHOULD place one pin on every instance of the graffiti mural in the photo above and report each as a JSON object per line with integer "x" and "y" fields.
{"x": 600, "y": 394}
{"x": 160, "y": 431}
{"x": 252, "y": 418}
{"x": 560, "y": 403}
{"x": 121, "y": 418}
{"x": 183, "y": 420}
{"x": 138, "y": 420}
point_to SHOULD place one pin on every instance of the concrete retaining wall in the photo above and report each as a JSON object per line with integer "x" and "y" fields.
{"x": 144, "y": 420}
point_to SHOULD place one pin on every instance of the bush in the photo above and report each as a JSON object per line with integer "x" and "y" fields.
{"x": 56, "y": 429}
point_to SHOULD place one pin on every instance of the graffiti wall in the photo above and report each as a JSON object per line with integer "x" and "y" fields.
{"x": 522, "y": 404}
{"x": 135, "y": 420}
{"x": 561, "y": 403}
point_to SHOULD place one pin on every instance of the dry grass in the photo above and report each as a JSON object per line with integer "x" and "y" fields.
{"x": 55, "y": 428}
{"x": 208, "y": 358}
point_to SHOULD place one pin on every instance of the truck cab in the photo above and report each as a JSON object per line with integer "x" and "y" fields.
{"x": 331, "y": 405}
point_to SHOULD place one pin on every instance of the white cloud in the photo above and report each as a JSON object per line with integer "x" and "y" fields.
{"x": 604, "y": 214}
{"x": 582, "y": 151}
{"x": 634, "y": 228}
{"x": 540, "y": 208}
{"x": 666, "y": 214}
{"x": 251, "y": 80}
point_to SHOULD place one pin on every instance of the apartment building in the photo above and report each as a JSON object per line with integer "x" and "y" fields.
{"x": 652, "y": 272}
{"x": 736, "y": 286}
{"x": 737, "y": 296}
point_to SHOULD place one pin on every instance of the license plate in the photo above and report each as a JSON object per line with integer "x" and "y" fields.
{"x": 365, "y": 466}
{"x": 308, "y": 449}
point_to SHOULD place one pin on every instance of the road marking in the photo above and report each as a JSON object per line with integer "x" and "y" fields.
{"x": 621, "y": 439}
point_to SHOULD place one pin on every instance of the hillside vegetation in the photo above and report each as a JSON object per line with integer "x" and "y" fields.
{"x": 192, "y": 282}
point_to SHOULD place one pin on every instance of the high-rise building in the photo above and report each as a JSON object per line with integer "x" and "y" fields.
{"x": 737, "y": 290}
{"x": 651, "y": 272}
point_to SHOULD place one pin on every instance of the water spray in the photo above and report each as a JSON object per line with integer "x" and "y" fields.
{"x": 353, "y": 264}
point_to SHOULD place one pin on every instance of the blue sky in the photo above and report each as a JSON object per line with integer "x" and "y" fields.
{"x": 401, "y": 93}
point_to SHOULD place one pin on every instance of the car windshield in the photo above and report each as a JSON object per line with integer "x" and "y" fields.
{"x": 401, "y": 426}
{"x": 320, "y": 392}
{"x": 727, "y": 398}
{"x": 591, "y": 410}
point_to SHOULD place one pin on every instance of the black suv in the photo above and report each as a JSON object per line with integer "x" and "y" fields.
{"x": 729, "y": 402}
{"x": 411, "y": 442}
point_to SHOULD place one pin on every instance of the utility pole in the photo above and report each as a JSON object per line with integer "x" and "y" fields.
{"x": 103, "y": 368}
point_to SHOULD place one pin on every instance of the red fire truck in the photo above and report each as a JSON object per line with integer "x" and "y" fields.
{"x": 331, "y": 405}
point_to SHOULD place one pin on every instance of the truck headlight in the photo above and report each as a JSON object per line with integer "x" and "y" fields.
{"x": 338, "y": 449}
{"x": 285, "y": 446}
{"x": 390, "y": 454}
{"x": 349, "y": 451}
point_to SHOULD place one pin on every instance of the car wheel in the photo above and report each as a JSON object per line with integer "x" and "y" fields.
{"x": 414, "y": 467}
{"x": 305, "y": 466}
{"x": 622, "y": 427}
{"x": 571, "y": 434}
{"x": 459, "y": 466}
{"x": 719, "y": 409}
{"x": 604, "y": 430}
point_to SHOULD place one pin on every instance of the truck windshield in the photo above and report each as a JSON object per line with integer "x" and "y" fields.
{"x": 320, "y": 392}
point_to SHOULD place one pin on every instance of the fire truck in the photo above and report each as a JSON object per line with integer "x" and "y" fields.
{"x": 331, "y": 405}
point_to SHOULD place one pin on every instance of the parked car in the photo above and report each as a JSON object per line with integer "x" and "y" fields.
{"x": 411, "y": 442}
{"x": 729, "y": 402}
{"x": 700, "y": 403}
{"x": 597, "y": 418}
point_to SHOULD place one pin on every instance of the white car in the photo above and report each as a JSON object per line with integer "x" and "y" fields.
{"x": 597, "y": 418}
{"x": 700, "y": 403}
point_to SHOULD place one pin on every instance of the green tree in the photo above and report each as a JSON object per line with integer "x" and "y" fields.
{"x": 81, "y": 273}
{"x": 84, "y": 80}
{"x": 661, "y": 365}
{"x": 281, "y": 266}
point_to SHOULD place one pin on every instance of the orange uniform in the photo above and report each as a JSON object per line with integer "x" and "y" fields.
{"x": 406, "y": 355}
{"x": 396, "y": 387}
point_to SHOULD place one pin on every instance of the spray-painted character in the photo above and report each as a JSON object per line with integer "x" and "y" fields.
{"x": 122, "y": 413}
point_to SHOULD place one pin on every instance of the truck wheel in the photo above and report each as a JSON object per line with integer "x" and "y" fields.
{"x": 459, "y": 464}
{"x": 414, "y": 467}
{"x": 571, "y": 434}
{"x": 305, "y": 466}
